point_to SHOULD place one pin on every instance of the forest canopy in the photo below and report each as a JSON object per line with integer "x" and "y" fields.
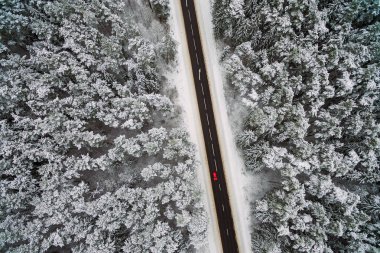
{"x": 308, "y": 72}
{"x": 89, "y": 158}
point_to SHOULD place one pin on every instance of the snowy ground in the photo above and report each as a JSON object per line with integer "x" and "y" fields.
{"x": 183, "y": 80}
{"x": 238, "y": 182}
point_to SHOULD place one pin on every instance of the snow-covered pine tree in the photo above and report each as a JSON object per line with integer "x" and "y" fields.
{"x": 84, "y": 165}
{"x": 309, "y": 74}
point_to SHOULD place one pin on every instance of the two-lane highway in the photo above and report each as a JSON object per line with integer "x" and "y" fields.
{"x": 219, "y": 186}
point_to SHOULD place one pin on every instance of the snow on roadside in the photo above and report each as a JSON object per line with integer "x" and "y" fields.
{"x": 237, "y": 182}
{"x": 184, "y": 84}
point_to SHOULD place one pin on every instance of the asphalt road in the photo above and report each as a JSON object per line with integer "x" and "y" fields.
{"x": 219, "y": 187}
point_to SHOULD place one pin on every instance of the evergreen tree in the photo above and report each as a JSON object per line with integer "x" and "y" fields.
{"x": 308, "y": 73}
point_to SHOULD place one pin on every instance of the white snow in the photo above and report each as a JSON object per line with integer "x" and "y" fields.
{"x": 237, "y": 182}
{"x": 184, "y": 82}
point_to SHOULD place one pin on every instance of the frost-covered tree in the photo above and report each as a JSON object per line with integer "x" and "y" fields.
{"x": 309, "y": 74}
{"x": 161, "y": 8}
{"x": 85, "y": 164}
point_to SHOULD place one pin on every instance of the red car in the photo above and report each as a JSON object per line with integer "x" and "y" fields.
{"x": 214, "y": 176}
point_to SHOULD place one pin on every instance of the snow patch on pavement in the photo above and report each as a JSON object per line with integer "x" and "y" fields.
{"x": 238, "y": 181}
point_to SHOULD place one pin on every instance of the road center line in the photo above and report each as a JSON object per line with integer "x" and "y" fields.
{"x": 186, "y": 4}
{"x": 220, "y": 189}
{"x": 203, "y": 92}
{"x": 216, "y": 167}
{"x": 213, "y": 151}
{"x": 208, "y": 122}
{"x": 196, "y": 55}
{"x": 223, "y": 207}
{"x": 227, "y": 231}
{"x": 209, "y": 132}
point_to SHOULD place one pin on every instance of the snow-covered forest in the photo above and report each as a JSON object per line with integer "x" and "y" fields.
{"x": 308, "y": 74}
{"x": 92, "y": 157}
